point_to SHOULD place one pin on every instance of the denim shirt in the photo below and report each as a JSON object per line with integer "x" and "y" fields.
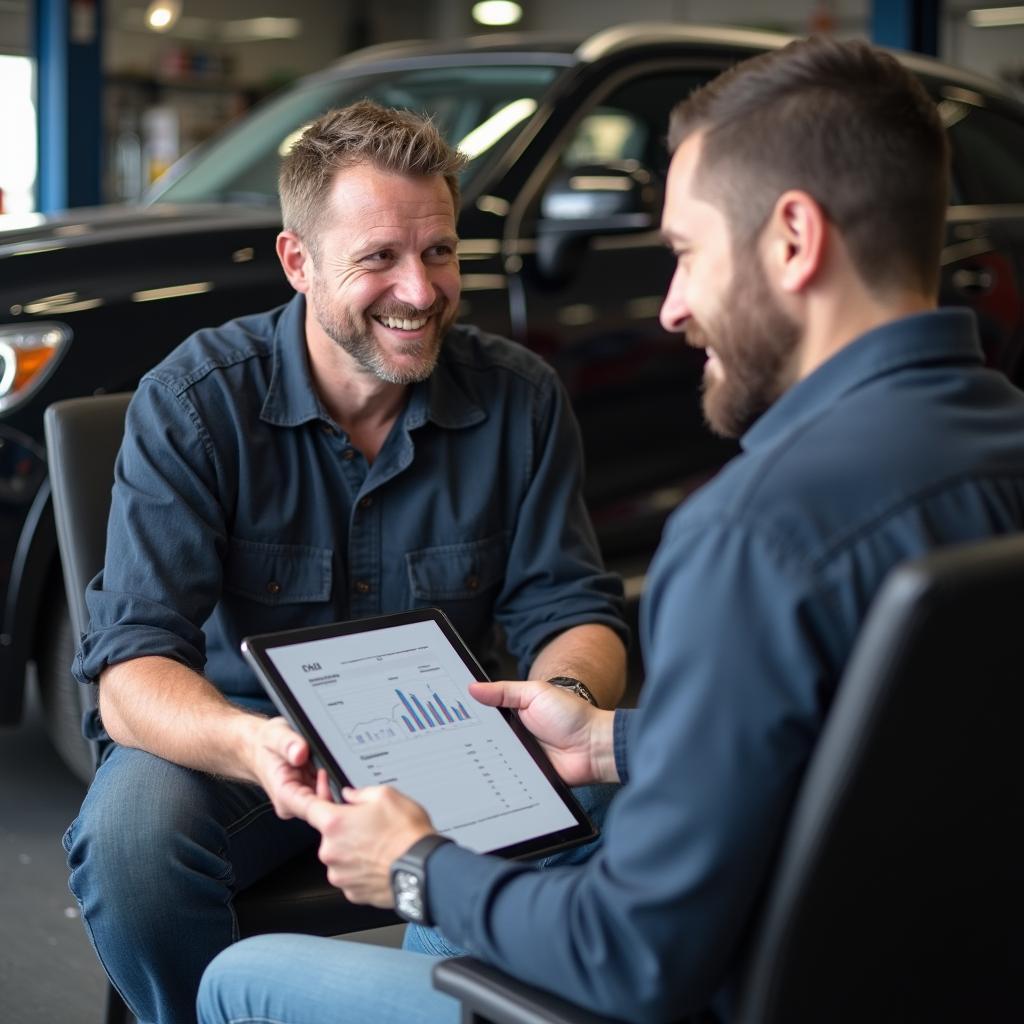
{"x": 240, "y": 507}
{"x": 900, "y": 443}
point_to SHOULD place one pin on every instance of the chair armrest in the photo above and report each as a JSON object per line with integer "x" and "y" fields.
{"x": 491, "y": 996}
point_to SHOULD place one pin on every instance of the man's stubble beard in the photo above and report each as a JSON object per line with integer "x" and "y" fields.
{"x": 353, "y": 333}
{"x": 754, "y": 340}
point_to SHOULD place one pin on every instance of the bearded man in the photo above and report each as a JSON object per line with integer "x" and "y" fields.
{"x": 805, "y": 206}
{"x": 349, "y": 454}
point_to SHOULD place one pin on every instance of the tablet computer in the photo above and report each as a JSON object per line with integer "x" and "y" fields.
{"x": 385, "y": 701}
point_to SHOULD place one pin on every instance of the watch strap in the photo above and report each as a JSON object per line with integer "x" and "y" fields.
{"x": 576, "y": 685}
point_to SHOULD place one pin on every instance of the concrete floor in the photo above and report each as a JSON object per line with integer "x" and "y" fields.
{"x": 48, "y": 971}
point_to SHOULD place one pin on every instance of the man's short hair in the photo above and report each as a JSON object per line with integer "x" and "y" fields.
{"x": 844, "y": 122}
{"x": 397, "y": 141}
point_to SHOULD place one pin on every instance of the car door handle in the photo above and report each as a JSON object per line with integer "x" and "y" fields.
{"x": 974, "y": 281}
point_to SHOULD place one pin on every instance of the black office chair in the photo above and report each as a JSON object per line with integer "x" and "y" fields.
{"x": 898, "y": 892}
{"x": 83, "y": 436}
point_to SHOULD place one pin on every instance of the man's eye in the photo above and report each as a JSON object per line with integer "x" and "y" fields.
{"x": 440, "y": 252}
{"x": 384, "y": 256}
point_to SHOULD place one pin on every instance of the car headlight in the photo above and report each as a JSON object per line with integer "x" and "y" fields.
{"x": 28, "y": 355}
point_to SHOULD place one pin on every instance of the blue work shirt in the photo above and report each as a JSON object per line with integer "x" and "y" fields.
{"x": 240, "y": 507}
{"x": 901, "y": 442}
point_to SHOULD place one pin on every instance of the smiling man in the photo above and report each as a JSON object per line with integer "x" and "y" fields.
{"x": 805, "y": 206}
{"x": 349, "y": 454}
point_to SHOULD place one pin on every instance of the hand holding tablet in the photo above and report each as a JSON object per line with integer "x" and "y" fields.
{"x": 386, "y": 701}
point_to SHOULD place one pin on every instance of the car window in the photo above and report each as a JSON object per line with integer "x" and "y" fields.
{"x": 988, "y": 153}
{"x": 479, "y": 109}
{"x": 632, "y": 122}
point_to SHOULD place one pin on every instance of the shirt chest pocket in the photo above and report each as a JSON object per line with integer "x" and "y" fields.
{"x": 453, "y": 572}
{"x": 276, "y": 574}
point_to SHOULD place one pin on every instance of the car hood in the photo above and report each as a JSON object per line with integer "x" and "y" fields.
{"x": 103, "y": 224}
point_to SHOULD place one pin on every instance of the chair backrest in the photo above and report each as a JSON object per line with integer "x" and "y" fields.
{"x": 899, "y": 889}
{"x": 83, "y": 436}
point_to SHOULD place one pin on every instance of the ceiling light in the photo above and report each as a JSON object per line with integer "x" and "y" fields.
{"x": 162, "y": 14}
{"x": 993, "y": 17}
{"x": 497, "y": 12}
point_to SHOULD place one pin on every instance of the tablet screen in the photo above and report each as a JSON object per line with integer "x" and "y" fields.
{"x": 390, "y": 705}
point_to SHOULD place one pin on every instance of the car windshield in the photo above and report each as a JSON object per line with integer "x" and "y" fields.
{"x": 480, "y": 109}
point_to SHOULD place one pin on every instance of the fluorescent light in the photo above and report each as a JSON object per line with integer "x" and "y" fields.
{"x": 249, "y": 29}
{"x": 162, "y": 14}
{"x": 497, "y": 12}
{"x": 994, "y": 17}
{"x": 485, "y": 135}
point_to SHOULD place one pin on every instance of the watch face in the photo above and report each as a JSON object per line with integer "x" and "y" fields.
{"x": 408, "y": 896}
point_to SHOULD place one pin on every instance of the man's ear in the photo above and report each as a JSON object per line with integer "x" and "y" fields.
{"x": 296, "y": 260}
{"x": 795, "y": 239}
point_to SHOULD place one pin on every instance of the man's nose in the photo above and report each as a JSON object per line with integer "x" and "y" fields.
{"x": 414, "y": 285}
{"x": 675, "y": 310}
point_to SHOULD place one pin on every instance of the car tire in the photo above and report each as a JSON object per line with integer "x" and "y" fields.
{"x": 58, "y": 690}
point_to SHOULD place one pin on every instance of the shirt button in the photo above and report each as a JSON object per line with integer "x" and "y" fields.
{"x": 327, "y": 428}
{"x": 273, "y": 587}
{"x": 348, "y": 454}
{"x": 473, "y": 582}
{"x": 366, "y": 501}
{"x": 362, "y": 587}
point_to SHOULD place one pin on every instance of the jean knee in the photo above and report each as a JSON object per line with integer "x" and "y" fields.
{"x": 232, "y": 975}
{"x": 138, "y": 835}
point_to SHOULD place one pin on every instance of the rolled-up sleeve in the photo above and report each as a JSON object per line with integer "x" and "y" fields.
{"x": 165, "y": 541}
{"x": 555, "y": 577}
{"x": 647, "y": 929}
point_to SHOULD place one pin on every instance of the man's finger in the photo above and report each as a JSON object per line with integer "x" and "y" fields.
{"x": 317, "y": 812}
{"x": 288, "y": 743}
{"x": 506, "y": 694}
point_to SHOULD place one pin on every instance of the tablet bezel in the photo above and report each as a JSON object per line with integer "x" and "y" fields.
{"x": 255, "y": 650}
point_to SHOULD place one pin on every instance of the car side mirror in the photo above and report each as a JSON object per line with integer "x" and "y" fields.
{"x": 599, "y": 199}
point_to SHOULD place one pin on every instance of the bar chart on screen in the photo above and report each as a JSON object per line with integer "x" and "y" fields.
{"x": 390, "y": 698}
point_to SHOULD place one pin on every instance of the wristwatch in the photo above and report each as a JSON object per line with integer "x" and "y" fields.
{"x": 580, "y": 689}
{"x": 409, "y": 880}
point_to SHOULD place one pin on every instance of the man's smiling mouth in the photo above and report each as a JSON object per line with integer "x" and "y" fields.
{"x": 400, "y": 324}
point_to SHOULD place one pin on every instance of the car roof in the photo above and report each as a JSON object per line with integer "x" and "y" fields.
{"x": 566, "y": 50}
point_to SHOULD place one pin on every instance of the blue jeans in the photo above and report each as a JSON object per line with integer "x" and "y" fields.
{"x": 299, "y": 979}
{"x": 157, "y": 854}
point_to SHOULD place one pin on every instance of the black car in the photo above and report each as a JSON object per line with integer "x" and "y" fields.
{"x": 560, "y": 250}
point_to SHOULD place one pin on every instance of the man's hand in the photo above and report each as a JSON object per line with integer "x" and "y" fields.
{"x": 576, "y": 736}
{"x": 279, "y": 759}
{"x": 363, "y": 837}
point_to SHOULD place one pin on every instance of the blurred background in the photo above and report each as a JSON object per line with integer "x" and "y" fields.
{"x": 174, "y": 72}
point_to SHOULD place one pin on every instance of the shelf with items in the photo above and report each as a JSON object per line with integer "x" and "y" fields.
{"x": 151, "y": 120}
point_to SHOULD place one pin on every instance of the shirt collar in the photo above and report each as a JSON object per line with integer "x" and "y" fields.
{"x": 292, "y": 400}
{"x": 938, "y": 336}
{"x": 444, "y": 398}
